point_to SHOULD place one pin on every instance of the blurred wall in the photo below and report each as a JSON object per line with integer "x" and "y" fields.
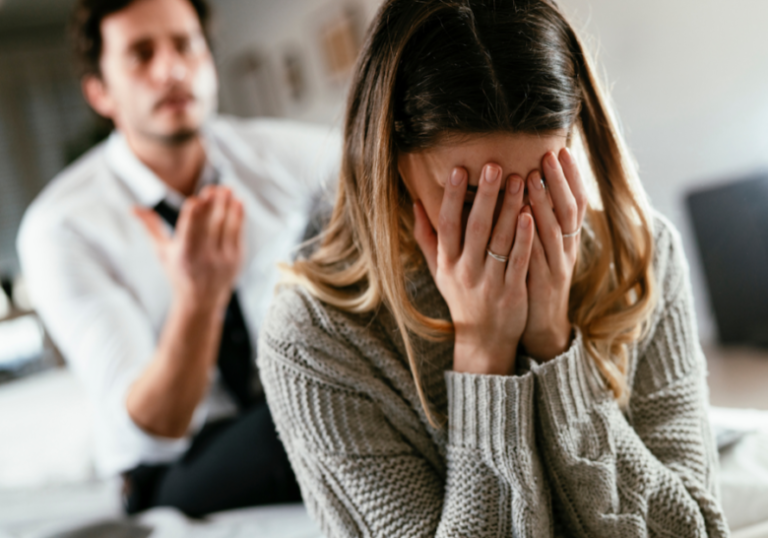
{"x": 689, "y": 77}
{"x": 274, "y": 29}
{"x": 41, "y": 110}
{"x": 690, "y": 81}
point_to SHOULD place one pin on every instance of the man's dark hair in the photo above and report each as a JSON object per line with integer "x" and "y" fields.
{"x": 86, "y": 29}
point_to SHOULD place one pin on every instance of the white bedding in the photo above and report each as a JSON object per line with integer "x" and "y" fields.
{"x": 285, "y": 521}
{"x": 278, "y": 521}
{"x": 45, "y": 432}
{"x": 744, "y": 468}
{"x": 47, "y": 482}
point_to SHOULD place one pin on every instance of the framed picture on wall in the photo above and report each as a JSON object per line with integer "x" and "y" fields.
{"x": 339, "y": 34}
{"x": 294, "y": 75}
{"x": 252, "y": 82}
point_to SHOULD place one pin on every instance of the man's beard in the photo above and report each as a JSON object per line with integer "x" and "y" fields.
{"x": 178, "y": 138}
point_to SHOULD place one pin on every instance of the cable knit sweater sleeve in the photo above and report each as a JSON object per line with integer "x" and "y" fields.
{"x": 362, "y": 469}
{"x": 651, "y": 475}
{"x": 495, "y": 484}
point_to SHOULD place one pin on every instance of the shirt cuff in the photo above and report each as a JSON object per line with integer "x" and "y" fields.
{"x": 122, "y": 444}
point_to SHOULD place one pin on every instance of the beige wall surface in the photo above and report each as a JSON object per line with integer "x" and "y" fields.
{"x": 690, "y": 82}
{"x": 689, "y": 79}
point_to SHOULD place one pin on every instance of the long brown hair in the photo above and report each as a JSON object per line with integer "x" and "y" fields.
{"x": 435, "y": 67}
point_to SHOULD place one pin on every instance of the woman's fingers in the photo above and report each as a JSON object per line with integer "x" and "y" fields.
{"x": 547, "y": 225}
{"x": 562, "y": 197}
{"x": 539, "y": 265}
{"x": 504, "y": 230}
{"x": 425, "y": 236}
{"x": 481, "y": 216}
{"x": 576, "y": 184}
{"x": 520, "y": 257}
{"x": 449, "y": 222}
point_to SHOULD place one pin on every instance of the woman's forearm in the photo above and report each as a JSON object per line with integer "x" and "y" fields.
{"x": 617, "y": 479}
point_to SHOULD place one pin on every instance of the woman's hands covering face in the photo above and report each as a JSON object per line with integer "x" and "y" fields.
{"x": 555, "y": 251}
{"x": 487, "y": 298}
{"x": 496, "y": 305}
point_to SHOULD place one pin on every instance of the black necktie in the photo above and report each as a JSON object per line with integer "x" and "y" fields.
{"x": 235, "y": 360}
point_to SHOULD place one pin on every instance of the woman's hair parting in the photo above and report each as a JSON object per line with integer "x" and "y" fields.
{"x": 432, "y": 69}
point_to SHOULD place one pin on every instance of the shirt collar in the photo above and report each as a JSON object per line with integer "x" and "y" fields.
{"x": 149, "y": 189}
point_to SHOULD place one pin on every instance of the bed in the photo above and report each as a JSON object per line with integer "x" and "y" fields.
{"x": 49, "y": 489}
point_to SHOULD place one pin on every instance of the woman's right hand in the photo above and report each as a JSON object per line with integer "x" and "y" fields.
{"x": 487, "y": 298}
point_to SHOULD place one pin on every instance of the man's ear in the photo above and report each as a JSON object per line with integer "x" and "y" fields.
{"x": 97, "y": 95}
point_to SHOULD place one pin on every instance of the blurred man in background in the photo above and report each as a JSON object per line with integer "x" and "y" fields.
{"x": 152, "y": 260}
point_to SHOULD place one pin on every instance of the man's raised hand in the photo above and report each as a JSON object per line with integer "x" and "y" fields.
{"x": 203, "y": 257}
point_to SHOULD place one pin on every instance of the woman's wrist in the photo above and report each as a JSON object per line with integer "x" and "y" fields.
{"x": 484, "y": 358}
{"x": 545, "y": 347}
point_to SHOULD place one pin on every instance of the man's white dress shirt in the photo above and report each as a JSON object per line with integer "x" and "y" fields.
{"x": 101, "y": 291}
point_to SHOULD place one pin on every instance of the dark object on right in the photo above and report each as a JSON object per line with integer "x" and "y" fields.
{"x": 731, "y": 227}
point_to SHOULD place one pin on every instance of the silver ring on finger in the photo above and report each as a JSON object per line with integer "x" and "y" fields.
{"x": 497, "y": 257}
{"x": 574, "y": 234}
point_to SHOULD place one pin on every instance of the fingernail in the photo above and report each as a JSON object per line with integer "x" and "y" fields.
{"x": 551, "y": 160}
{"x": 492, "y": 173}
{"x": 537, "y": 181}
{"x": 566, "y": 156}
{"x": 514, "y": 185}
{"x": 457, "y": 176}
{"x": 524, "y": 221}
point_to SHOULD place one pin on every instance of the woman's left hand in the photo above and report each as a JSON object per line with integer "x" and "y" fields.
{"x": 548, "y": 331}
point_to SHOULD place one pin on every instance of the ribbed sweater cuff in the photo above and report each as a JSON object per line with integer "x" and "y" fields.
{"x": 490, "y": 412}
{"x": 570, "y": 384}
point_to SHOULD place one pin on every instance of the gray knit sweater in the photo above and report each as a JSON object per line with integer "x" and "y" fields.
{"x": 546, "y": 452}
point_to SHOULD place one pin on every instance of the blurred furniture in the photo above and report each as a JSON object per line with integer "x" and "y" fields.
{"x": 42, "y": 112}
{"x": 738, "y": 386}
{"x": 738, "y": 376}
{"x": 48, "y": 485}
{"x": 731, "y": 227}
{"x": 744, "y": 471}
{"x": 27, "y": 348}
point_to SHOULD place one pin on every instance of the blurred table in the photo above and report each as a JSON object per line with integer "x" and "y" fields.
{"x": 738, "y": 376}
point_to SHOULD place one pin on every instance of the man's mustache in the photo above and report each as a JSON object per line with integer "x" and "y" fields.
{"x": 174, "y": 95}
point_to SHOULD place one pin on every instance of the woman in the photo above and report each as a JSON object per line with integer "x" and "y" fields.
{"x": 476, "y": 348}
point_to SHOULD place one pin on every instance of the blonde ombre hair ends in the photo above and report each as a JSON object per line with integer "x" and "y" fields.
{"x": 431, "y": 68}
